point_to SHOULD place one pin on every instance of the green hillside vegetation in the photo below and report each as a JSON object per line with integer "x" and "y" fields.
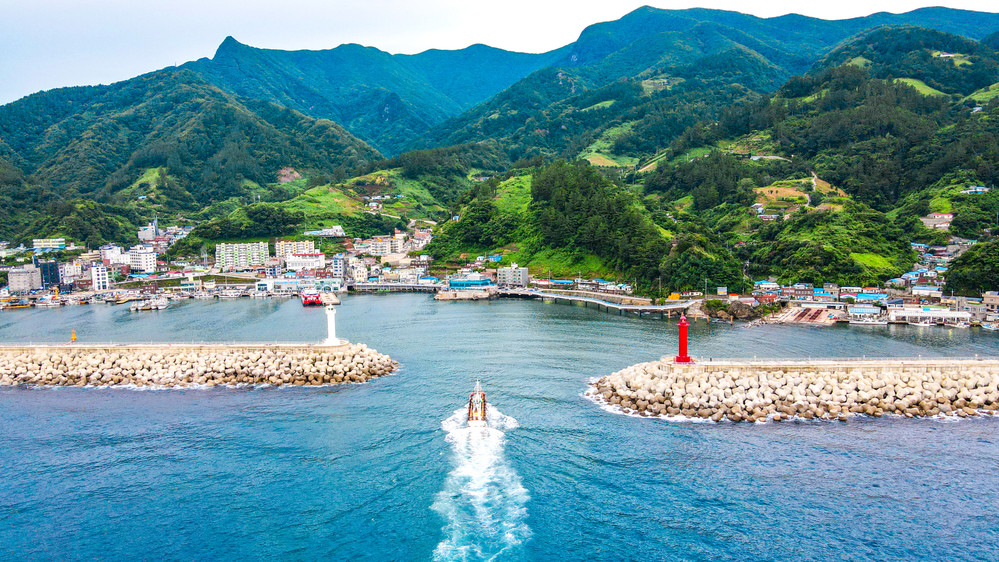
{"x": 976, "y": 271}
{"x": 385, "y": 99}
{"x": 985, "y": 95}
{"x": 920, "y": 86}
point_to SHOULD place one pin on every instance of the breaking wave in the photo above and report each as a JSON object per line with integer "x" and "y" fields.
{"x": 483, "y": 501}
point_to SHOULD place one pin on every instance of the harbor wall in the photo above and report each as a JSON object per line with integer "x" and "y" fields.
{"x": 751, "y": 390}
{"x": 171, "y": 366}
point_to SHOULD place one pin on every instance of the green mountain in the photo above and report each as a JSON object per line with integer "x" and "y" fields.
{"x": 106, "y": 144}
{"x": 385, "y": 99}
{"x": 683, "y": 63}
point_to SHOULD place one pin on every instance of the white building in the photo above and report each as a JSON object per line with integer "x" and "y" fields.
{"x": 113, "y": 254}
{"x": 380, "y": 247}
{"x": 288, "y": 248}
{"x": 69, "y": 272}
{"x": 49, "y": 243}
{"x": 24, "y": 279}
{"x": 338, "y": 267}
{"x": 99, "y": 277}
{"x": 142, "y": 259}
{"x": 298, "y": 262}
{"x": 512, "y": 276}
{"x": 238, "y": 257}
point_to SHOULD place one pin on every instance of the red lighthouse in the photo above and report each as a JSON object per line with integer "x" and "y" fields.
{"x": 682, "y": 356}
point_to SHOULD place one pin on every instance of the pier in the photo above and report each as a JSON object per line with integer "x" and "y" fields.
{"x": 365, "y": 287}
{"x": 663, "y": 310}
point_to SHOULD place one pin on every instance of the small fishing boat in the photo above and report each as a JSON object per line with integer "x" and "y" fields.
{"x": 868, "y": 322}
{"x": 959, "y": 324}
{"x": 990, "y": 327}
{"x": 158, "y": 303}
{"x": 477, "y": 407}
{"x": 922, "y": 323}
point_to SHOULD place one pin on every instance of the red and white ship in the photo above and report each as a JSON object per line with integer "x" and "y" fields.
{"x": 311, "y": 297}
{"x": 477, "y": 407}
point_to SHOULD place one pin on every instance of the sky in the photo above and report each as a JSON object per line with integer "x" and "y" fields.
{"x": 47, "y": 44}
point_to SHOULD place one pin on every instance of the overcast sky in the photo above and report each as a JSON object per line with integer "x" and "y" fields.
{"x": 51, "y": 43}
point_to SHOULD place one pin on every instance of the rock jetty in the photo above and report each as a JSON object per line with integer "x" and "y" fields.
{"x": 779, "y": 390}
{"x": 169, "y": 366}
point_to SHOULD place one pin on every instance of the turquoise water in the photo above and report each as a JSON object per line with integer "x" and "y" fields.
{"x": 382, "y": 471}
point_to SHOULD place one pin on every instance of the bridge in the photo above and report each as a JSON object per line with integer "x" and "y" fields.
{"x": 663, "y": 310}
{"x": 368, "y": 287}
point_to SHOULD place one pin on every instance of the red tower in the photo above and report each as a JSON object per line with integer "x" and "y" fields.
{"x": 682, "y": 356}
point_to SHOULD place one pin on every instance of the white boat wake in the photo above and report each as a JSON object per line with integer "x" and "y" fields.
{"x": 483, "y": 501}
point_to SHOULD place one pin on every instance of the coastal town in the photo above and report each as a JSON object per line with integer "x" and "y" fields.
{"x": 327, "y": 263}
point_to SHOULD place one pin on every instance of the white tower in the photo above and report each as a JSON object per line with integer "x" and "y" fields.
{"x": 331, "y": 338}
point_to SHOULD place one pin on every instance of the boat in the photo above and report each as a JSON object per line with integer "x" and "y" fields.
{"x": 48, "y": 302}
{"x": 230, "y": 294}
{"x": 158, "y": 303}
{"x": 311, "y": 297}
{"x": 868, "y": 322}
{"x": 258, "y": 294}
{"x": 922, "y": 323}
{"x": 959, "y": 324}
{"x": 477, "y": 407}
{"x": 990, "y": 327}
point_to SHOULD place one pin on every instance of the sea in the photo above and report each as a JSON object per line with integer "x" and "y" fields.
{"x": 386, "y": 470}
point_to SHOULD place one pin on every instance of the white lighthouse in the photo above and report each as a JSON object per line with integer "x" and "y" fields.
{"x": 331, "y": 338}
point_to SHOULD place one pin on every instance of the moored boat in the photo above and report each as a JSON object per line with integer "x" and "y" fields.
{"x": 869, "y": 322}
{"x": 922, "y": 323}
{"x": 990, "y": 327}
{"x": 311, "y": 297}
{"x": 477, "y": 407}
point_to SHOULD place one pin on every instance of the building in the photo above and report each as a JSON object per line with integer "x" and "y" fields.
{"x": 513, "y": 276}
{"x": 380, "y": 247}
{"x": 287, "y": 248}
{"x": 49, "y": 243}
{"x": 991, "y": 302}
{"x": 472, "y": 281}
{"x": 112, "y": 254}
{"x": 24, "y": 279}
{"x": 242, "y": 256}
{"x": 335, "y": 231}
{"x": 150, "y": 231}
{"x": 69, "y": 272}
{"x": 99, "y": 278}
{"x": 338, "y": 267}
{"x": 49, "y": 270}
{"x": 141, "y": 259}
{"x": 298, "y": 262}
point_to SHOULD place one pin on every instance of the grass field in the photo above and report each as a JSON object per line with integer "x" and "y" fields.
{"x": 872, "y": 261}
{"x": 514, "y": 195}
{"x": 599, "y": 153}
{"x": 921, "y": 87}
{"x": 601, "y": 105}
{"x": 862, "y": 62}
{"x": 985, "y": 95}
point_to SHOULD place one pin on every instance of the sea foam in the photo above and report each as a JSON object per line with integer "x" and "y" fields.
{"x": 483, "y": 502}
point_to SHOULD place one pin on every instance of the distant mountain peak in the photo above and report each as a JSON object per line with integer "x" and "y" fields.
{"x": 229, "y": 46}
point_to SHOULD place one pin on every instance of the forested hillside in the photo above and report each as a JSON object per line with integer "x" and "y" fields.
{"x": 385, "y": 99}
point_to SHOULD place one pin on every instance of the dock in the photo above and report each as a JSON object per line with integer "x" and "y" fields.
{"x": 663, "y": 310}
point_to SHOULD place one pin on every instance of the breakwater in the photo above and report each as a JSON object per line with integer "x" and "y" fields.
{"x": 826, "y": 389}
{"x": 171, "y": 366}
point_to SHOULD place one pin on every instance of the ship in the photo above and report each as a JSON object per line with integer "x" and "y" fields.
{"x": 311, "y": 297}
{"x": 477, "y": 407}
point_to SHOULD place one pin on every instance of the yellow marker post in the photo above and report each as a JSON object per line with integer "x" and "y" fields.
{"x": 72, "y": 338}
